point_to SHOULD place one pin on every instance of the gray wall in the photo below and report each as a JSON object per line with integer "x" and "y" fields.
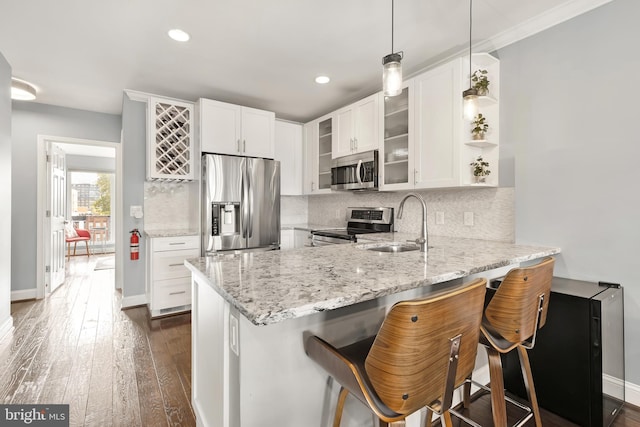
{"x": 90, "y": 163}
{"x": 28, "y": 121}
{"x": 134, "y": 135}
{"x": 5, "y": 192}
{"x": 570, "y": 116}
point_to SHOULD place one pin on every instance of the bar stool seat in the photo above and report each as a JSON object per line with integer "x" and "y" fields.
{"x": 424, "y": 349}
{"x": 510, "y": 321}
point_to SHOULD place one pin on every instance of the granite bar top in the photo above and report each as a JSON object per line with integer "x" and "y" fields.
{"x": 170, "y": 233}
{"x": 305, "y": 226}
{"x": 270, "y": 287}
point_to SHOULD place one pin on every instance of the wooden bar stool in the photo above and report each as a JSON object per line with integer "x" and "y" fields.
{"x": 511, "y": 321}
{"x": 424, "y": 349}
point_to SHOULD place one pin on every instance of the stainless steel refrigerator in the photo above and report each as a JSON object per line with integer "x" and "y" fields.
{"x": 241, "y": 203}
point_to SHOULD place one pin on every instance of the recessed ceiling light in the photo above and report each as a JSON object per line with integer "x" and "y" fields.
{"x": 22, "y": 90}
{"x": 179, "y": 35}
{"x": 322, "y": 80}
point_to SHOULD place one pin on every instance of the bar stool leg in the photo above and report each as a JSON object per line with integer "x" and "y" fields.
{"x": 429, "y": 416}
{"x": 340, "y": 406}
{"x": 498, "y": 403}
{"x": 466, "y": 394}
{"x": 528, "y": 383}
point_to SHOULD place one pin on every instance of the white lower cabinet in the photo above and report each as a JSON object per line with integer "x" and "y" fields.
{"x": 294, "y": 239}
{"x": 168, "y": 281}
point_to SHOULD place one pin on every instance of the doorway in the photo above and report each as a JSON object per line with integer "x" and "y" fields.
{"x": 97, "y": 166}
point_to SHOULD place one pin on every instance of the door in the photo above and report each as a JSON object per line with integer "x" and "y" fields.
{"x": 263, "y": 189}
{"x": 366, "y": 121}
{"x": 224, "y": 208}
{"x": 220, "y": 127}
{"x": 258, "y": 133}
{"x": 56, "y": 214}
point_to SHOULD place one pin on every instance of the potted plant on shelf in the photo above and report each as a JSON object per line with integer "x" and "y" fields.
{"x": 479, "y": 127}
{"x": 480, "y": 82}
{"x": 480, "y": 170}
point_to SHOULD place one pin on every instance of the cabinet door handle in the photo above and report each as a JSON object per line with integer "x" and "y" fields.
{"x": 238, "y": 144}
{"x": 311, "y": 185}
{"x": 177, "y": 243}
{"x": 177, "y": 293}
{"x": 355, "y": 144}
{"x": 415, "y": 176}
{"x": 244, "y": 145}
{"x": 176, "y": 265}
{"x": 350, "y": 144}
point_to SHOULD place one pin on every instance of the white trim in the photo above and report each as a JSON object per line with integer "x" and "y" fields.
{"x": 138, "y": 96}
{"x": 632, "y": 393}
{"x": 6, "y": 327}
{"x": 24, "y": 294}
{"x": 41, "y": 203}
{"x": 539, "y": 23}
{"x": 133, "y": 301}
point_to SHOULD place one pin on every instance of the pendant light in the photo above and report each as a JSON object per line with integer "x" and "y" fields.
{"x": 392, "y": 68}
{"x": 470, "y": 96}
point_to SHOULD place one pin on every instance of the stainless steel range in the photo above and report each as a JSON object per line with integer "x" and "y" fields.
{"x": 360, "y": 221}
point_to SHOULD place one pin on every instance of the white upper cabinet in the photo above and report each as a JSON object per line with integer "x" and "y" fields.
{"x": 288, "y": 150}
{"x": 358, "y": 127}
{"x": 170, "y": 140}
{"x": 438, "y": 109}
{"x": 234, "y": 129}
{"x": 318, "y": 140}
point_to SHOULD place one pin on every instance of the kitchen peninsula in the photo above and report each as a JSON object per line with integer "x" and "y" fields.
{"x": 251, "y": 310}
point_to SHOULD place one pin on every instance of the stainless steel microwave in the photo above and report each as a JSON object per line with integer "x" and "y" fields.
{"x": 355, "y": 172}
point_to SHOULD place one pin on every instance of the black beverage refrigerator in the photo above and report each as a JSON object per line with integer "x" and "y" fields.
{"x": 578, "y": 358}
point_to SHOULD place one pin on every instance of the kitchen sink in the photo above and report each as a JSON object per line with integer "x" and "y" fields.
{"x": 394, "y": 247}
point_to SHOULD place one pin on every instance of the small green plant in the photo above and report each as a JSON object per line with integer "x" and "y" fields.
{"x": 480, "y": 81}
{"x": 480, "y": 167}
{"x": 479, "y": 126}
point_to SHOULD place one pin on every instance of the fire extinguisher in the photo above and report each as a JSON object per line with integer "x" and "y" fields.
{"x": 134, "y": 244}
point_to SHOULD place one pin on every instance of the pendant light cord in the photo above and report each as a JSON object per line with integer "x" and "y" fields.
{"x": 470, "y": 28}
{"x": 392, "y": 51}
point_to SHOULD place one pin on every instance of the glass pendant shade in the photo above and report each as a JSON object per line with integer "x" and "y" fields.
{"x": 392, "y": 74}
{"x": 470, "y": 103}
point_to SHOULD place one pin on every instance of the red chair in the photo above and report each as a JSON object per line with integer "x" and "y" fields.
{"x": 80, "y": 236}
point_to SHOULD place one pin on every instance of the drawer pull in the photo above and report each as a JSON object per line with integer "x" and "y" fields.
{"x": 177, "y": 243}
{"x": 176, "y": 265}
{"x": 177, "y": 293}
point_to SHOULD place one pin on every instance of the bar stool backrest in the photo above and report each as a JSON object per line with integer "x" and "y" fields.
{"x": 513, "y": 310}
{"x": 409, "y": 359}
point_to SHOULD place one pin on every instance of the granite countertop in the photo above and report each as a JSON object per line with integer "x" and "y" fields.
{"x": 269, "y": 287}
{"x": 306, "y": 226}
{"x": 170, "y": 233}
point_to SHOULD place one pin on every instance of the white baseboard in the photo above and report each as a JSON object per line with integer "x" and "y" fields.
{"x": 133, "y": 301}
{"x": 23, "y": 294}
{"x": 6, "y": 327}
{"x": 632, "y": 393}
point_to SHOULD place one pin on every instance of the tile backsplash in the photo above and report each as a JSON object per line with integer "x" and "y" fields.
{"x": 492, "y": 210}
{"x": 174, "y": 206}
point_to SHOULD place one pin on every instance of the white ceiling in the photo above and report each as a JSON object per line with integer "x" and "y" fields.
{"x": 260, "y": 53}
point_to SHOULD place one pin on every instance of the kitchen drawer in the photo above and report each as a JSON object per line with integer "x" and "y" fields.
{"x": 175, "y": 243}
{"x": 171, "y": 293}
{"x": 170, "y": 264}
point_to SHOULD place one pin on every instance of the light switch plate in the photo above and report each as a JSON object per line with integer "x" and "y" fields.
{"x": 468, "y": 218}
{"x": 135, "y": 211}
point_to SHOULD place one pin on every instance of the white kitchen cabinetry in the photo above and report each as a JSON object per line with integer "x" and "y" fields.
{"x": 170, "y": 141}
{"x": 294, "y": 239}
{"x": 288, "y": 150}
{"x": 234, "y": 129}
{"x": 168, "y": 281}
{"x": 318, "y": 140}
{"x": 489, "y": 106}
{"x": 358, "y": 127}
{"x": 396, "y": 152}
{"x": 438, "y": 120}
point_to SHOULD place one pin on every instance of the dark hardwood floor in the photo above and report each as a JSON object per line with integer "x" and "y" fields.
{"x": 113, "y": 367}
{"x": 117, "y": 367}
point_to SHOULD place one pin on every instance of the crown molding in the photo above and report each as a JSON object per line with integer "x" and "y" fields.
{"x": 539, "y": 23}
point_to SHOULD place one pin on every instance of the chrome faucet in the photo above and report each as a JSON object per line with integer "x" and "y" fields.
{"x": 422, "y": 240}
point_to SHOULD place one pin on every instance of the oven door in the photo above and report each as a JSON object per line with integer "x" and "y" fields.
{"x": 355, "y": 172}
{"x": 317, "y": 240}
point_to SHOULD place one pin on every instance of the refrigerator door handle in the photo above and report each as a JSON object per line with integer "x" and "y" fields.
{"x": 244, "y": 204}
{"x": 251, "y": 196}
